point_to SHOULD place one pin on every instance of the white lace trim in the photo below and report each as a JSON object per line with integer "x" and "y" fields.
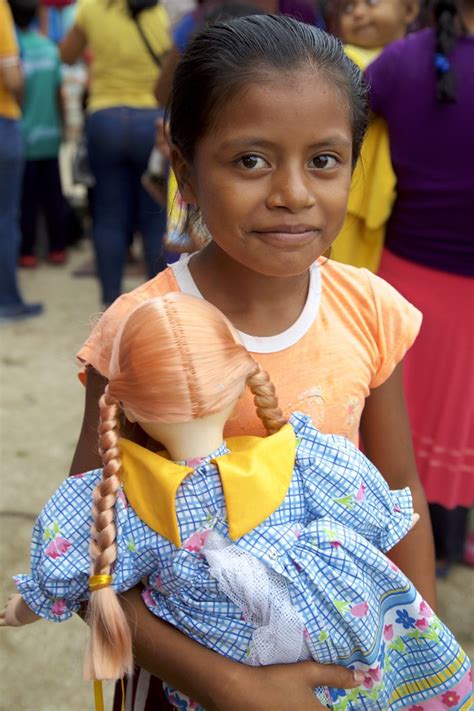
{"x": 263, "y": 597}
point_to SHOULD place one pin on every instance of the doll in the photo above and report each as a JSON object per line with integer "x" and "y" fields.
{"x": 265, "y": 549}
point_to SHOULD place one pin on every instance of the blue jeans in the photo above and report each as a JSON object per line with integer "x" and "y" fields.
{"x": 119, "y": 142}
{"x": 11, "y": 171}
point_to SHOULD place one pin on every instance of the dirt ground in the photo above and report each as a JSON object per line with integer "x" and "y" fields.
{"x": 41, "y": 409}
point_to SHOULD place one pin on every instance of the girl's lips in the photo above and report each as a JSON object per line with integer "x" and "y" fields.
{"x": 287, "y": 229}
{"x": 286, "y": 236}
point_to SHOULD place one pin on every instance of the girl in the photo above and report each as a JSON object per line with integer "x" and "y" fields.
{"x": 366, "y": 27}
{"x": 264, "y": 549}
{"x": 429, "y": 253}
{"x": 274, "y": 198}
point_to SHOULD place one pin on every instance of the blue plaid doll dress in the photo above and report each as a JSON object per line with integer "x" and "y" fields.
{"x": 310, "y": 580}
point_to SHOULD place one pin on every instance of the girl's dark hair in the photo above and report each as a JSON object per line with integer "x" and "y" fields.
{"x": 23, "y": 12}
{"x": 447, "y": 28}
{"x": 228, "y": 55}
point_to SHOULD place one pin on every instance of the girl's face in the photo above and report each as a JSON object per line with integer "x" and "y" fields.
{"x": 272, "y": 175}
{"x": 375, "y": 23}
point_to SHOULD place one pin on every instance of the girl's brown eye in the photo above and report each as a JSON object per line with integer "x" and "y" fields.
{"x": 252, "y": 161}
{"x": 324, "y": 162}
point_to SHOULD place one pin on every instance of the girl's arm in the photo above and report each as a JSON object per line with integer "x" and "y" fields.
{"x": 73, "y": 45}
{"x": 386, "y": 437}
{"x": 165, "y": 79}
{"x": 218, "y": 683}
{"x": 86, "y": 455}
{"x": 12, "y": 76}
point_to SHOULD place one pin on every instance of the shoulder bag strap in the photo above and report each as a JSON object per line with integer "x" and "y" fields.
{"x": 148, "y": 46}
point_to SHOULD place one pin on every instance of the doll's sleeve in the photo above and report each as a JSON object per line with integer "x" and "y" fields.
{"x": 60, "y": 562}
{"x": 341, "y": 483}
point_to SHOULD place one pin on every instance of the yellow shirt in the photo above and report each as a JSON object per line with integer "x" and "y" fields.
{"x": 8, "y": 55}
{"x": 122, "y": 71}
{"x": 360, "y": 242}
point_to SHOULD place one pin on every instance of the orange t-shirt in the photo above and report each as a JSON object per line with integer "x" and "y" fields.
{"x": 353, "y": 331}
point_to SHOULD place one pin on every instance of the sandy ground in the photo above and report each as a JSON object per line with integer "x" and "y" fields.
{"x": 41, "y": 410}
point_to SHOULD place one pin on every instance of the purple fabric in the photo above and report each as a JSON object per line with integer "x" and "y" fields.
{"x": 432, "y": 148}
{"x": 299, "y": 9}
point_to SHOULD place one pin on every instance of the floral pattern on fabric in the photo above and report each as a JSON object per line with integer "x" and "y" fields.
{"x": 324, "y": 541}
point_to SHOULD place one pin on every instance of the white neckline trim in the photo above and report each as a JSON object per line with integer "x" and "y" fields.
{"x": 263, "y": 344}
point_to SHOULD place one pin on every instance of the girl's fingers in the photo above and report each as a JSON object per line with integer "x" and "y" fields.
{"x": 334, "y": 675}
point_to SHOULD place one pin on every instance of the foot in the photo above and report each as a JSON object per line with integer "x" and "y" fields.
{"x": 28, "y": 261}
{"x": 85, "y": 270}
{"x": 443, "y": 569}
{"x": 58, "y": 257}
{"x": 19, "y": 312}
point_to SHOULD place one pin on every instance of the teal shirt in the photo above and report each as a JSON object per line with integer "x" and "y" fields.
{"x": 41, "y": 121}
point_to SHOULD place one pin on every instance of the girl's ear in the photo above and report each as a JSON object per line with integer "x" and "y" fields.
{"x": 182, "y": 170}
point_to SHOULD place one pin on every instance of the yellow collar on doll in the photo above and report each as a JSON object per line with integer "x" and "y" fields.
{"x": 255, "y": 476}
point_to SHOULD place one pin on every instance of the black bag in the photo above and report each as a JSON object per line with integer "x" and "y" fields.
{"x": 135, "y": 7}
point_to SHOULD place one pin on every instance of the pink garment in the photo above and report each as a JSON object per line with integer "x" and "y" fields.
{"x": 439, "y": 378}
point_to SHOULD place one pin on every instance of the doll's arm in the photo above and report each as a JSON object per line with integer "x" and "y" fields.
{"x": 16, "y": 613}
{"x": 387, "y": 441}
{"x": 60, "y": 560}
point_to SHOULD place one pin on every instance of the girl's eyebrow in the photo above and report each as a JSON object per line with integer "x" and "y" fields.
{"x": 248, "y": 141}
{"x": 335, "y": 140}
{"x": 332, "y": 142}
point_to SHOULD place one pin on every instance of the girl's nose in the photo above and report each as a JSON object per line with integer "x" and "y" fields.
{"x": 292, "y": 191}
{"x": 359, "y": 10}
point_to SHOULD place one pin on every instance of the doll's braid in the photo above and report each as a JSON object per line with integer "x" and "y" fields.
{"x": 446, "y": 16}
{"x": 266, "y": 401}
{"x": 110, "y": 650}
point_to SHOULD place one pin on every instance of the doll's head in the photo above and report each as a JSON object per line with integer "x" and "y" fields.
{"x": 175, "y": 359}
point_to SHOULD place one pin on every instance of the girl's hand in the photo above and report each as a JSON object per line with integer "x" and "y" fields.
{"x": 16, "y": 613}
{"x": 283, "y": 687}
{"x": 218, "y": 683}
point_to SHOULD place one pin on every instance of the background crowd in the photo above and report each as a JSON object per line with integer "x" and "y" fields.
{"x": 410, "y": 215}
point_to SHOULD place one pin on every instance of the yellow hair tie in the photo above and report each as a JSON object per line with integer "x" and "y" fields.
{"x": 97, "y": 582}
